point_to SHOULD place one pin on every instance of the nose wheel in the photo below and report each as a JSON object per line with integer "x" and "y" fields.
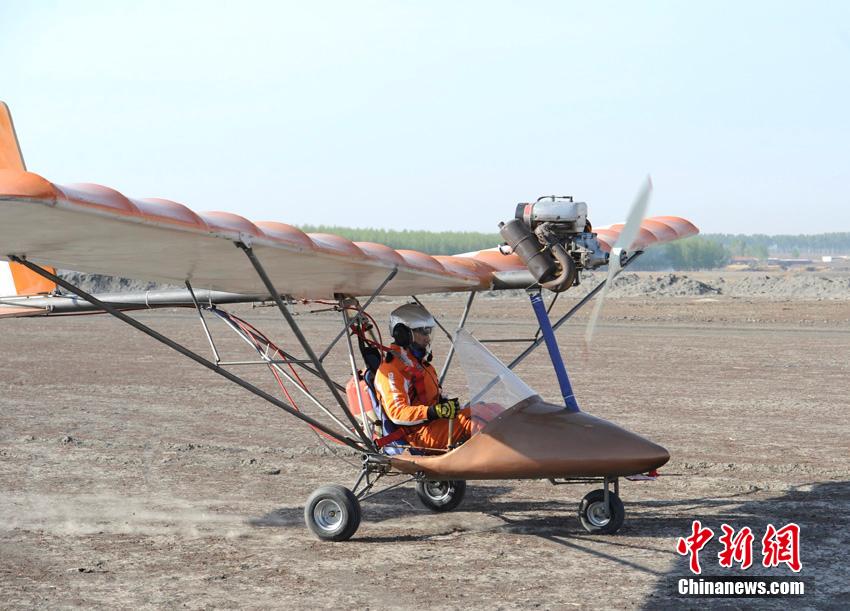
{"x": 600, "y": 517}
{"x": 441, "y": 495}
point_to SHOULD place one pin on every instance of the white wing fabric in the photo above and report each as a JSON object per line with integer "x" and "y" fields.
{"x": 95, "y": 229}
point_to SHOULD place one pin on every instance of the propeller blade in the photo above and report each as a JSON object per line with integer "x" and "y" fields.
{"x": 624, "y": 243}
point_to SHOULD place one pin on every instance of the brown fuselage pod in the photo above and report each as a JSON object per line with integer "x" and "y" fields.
{"x": 534, "y": 439}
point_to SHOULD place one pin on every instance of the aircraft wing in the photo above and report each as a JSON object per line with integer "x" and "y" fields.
{"x": 96, "y": 229}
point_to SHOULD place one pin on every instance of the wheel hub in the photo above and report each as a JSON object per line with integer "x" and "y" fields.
{"x": 438, "y": 491}
{"x": 598, "y": 514}
{"x": 327, "y": 514}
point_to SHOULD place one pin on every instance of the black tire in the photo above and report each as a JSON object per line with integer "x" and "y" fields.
{"x": 596, "y": 517}
{"x": 332, "y": 513}
{"x": 441, "y": 495}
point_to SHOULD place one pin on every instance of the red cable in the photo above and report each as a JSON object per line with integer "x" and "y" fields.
{"x": 257, "y": 337}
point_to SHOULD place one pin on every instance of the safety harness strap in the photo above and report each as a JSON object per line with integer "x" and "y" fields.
{"x": 396, "y": 435}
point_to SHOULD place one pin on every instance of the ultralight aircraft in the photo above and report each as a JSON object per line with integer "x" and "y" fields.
{"x": 221, "y": 258}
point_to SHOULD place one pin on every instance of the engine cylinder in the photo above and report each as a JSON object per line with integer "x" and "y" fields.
{"x": 525, "y": 244}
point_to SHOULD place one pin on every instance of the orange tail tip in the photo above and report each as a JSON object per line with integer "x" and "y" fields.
{"x": 11, "y": 157}
{"x": 15, "y": 279}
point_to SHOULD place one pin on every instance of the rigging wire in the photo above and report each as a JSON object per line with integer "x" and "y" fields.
{"x": 263, "y": 345}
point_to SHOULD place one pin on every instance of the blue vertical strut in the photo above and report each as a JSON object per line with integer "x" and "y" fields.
{"x": 554, "y": 353}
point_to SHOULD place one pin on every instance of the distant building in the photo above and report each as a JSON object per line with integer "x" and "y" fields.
{"x": 788, "y": 262}
{"x": 836, "y": 262}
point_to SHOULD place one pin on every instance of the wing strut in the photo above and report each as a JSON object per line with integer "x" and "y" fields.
{"x": 352, "y": 360}
{"x": 460, "y": 326}
{"x": 190, "y": 354}
{"x": 554, "y": 354}
{"x": 323, "y": 374}
{"x": 368, "y": 301}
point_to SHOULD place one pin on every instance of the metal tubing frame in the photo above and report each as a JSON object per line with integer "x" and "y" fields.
{"x": 353, "y": 362}
{"x": 203, "y": 323}
{"x": 296, "y": 330}
{"x": 363, "y": 496}
{"x": 548, "y": 311}
{"x": 275, "y": 364}
{"x": 554, "y": 353}
{"x": 380, "y": 470}
{"x": 262, "y": 362}
{"x": 578, "y": 481}
{"x": 460, "y": 326}
{"x": 303, "y": 363}
{"x": 584, "y": 481}
{"x": 187, "y": 353}
{"x": 23, "y": 304}
{"x": 377, "y": 292}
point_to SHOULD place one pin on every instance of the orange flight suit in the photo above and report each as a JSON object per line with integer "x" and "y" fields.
{"x": 406, "y": 387}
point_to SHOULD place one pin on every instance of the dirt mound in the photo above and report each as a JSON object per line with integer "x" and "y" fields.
{"x": 662, "y": 285}
{"x": 784, "y": 285}
{"x": 97, "y": 283}
{"x": 787, "y": 285}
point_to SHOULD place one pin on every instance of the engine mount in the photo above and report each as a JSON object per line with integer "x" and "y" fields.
{"x": 553, "y": 237}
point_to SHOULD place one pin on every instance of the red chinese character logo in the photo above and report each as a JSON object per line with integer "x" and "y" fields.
{"x": 782, "y": 545}
{"x": 736, "y": 549}
{"x": 693, "y": 544}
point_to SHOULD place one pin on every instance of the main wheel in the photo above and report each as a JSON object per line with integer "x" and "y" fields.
{"x": 441, "y": 495}
{"x": 598, "y": 518}
{"x": 332, "y": 513}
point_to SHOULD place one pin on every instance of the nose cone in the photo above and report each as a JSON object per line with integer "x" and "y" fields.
{"x": 535, "y": 439}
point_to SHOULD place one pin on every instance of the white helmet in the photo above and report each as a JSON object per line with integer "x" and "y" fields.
{"x": 412, "y": 316}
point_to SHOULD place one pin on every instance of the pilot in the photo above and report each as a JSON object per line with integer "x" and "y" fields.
{"x": 408, "y": 386}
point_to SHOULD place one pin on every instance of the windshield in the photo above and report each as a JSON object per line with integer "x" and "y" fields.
{"x": 492, "y": 387}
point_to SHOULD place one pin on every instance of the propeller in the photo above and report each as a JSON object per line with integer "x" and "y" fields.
{"x": 624, "y": 242}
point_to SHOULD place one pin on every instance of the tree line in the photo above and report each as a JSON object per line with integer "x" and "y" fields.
{"x": 431, "y": 242}
{"x": 762, "y": 245}
{"x": 707, "y": 251}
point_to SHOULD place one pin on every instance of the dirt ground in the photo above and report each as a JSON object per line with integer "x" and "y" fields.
{"x": 131, "y": 477}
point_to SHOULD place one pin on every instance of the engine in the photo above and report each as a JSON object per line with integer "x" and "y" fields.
{"x": 554, "y": 239}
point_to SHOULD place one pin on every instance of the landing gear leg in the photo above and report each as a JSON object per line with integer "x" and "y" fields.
{"x": 601, "y": 511}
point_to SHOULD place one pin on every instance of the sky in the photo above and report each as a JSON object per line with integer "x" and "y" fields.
{"x": 442, "y": 115}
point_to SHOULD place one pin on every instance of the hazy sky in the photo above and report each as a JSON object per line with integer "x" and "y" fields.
{"x": 442, "y": 115}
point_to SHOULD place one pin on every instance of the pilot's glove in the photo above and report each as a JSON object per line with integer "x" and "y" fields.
{"x": 448, "y": 408}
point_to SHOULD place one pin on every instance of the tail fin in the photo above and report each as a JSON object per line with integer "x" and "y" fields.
{"x": 11, "y": 157}
{"x": 15, "y": 279}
